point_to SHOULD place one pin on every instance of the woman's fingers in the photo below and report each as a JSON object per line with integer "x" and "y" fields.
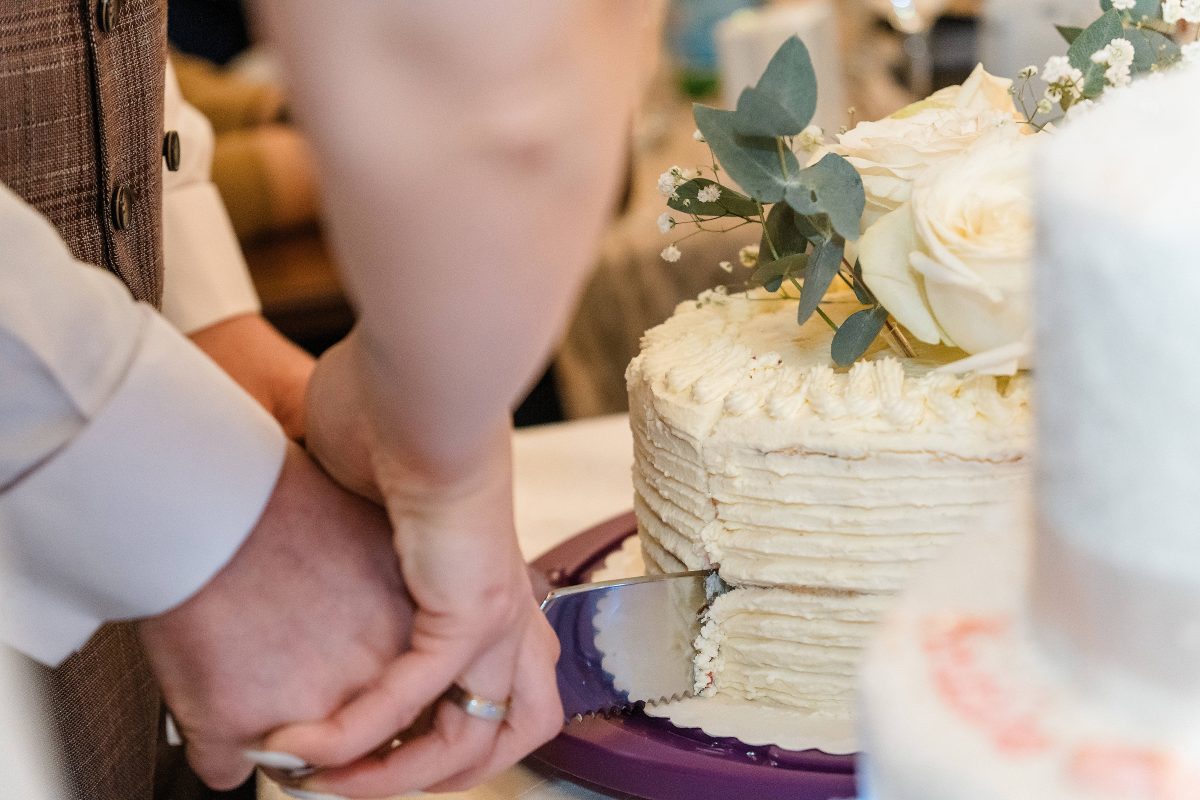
{"x": 535, "y": 717}
{"x": 458, "y": 742}
{"x": 410, "y": 685}
{"x": 461, "y": 750}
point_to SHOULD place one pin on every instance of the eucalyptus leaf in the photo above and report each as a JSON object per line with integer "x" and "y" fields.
{"x": 771, "y": 276}
{"x": 815, "y": 228}
{"x": 759, "y": 114}
{"x": 1095, "y": 37}
{"x": 1149, "y": 48}
{"x": 822, "y": 269}
{"x": 728, "y": 204}
{"x": 832, "y": 187}
{"x": 1068, "y": 32}
{"x": 783, "y": 232}
{"x": 754, "y": 163}
{"x": 1093, "y": 81}
{"x": 785, "y": 98}
{"x": 855, "y": 335}
{"x": 860, "y": 287}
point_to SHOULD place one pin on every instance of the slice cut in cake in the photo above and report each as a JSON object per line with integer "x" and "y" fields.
{"x": 813, "y": 490}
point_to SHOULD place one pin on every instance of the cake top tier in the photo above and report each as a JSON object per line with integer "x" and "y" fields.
{"x": 741, "y": 362}
{"x": 1116, "y": 580}
{"x": 1118, "y": 328}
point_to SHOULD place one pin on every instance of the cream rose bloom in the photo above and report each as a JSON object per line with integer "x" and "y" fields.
{"x": 953, "y": 264}
{"x": 891, "y": 153}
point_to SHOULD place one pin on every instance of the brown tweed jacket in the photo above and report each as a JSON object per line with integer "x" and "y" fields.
{"x": 81, "y": 139}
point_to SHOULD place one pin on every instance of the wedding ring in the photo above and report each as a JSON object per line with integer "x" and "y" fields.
{"x": 477, "y": 706}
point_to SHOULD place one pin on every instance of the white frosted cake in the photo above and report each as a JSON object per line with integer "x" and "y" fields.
{"x": 1070, "y": 667}
{"x": 814, "y": 490}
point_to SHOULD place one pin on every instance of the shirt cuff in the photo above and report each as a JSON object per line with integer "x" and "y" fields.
{"x": 142, "y": 507}
{"x": 205, "y": 278}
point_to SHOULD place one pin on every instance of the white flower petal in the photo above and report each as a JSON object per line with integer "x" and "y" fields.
{"x": 1004, "y": 360}
{"x": 883, "y": 252}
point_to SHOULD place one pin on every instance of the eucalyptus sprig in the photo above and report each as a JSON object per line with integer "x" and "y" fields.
{"x": 1127, "y": 39}
{"x": 814, "y": 210}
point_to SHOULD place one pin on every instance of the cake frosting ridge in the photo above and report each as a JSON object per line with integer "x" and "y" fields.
{"x": 814, "y": 491}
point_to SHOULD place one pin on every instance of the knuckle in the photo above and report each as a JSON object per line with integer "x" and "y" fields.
{"x": 548, "y": 726}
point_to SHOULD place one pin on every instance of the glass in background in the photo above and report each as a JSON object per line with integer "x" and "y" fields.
{"x": 914, "y": 19}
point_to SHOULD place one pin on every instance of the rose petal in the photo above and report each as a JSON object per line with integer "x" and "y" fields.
{"x": 1004, "y": 360}
{"x": 883, "y": 252}
{"x": 935, "y": 271}
{"x": 983, "y": 91}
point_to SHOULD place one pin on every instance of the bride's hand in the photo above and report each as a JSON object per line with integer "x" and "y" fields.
{"x": 476, "y": 624}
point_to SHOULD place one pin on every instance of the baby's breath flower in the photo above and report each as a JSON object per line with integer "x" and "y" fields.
{"x": 1123, "y": 5}
{"x": 748, "y": 255}
{"x": 1058, "y": 69}
{"x": 1191, "y": 53}
{"x": 1029, "y": 72}
{"x": 670, "y": 253}
{"x": 671, "y": 180}
{"x": 1064, "y": 81}
{"x": 1118, "y": 76}
{"x": 726, "y": 266}
{"x": 811, "y": 138}
{"x": 1175, "y": 11}
{"x": 1044, "y": 106}
{"x": 665, "y": 222}
{"x": 698, "y": 136}
{"x": 709, "y": 194}
{"x": 1118, "y": 56}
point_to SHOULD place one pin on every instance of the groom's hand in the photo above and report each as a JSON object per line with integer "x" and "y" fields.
{"x": 307, "y": 615}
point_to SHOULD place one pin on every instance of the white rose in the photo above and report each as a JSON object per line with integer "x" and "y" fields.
{"x": 953, "y": 264}
{"x": 891, "y": 153}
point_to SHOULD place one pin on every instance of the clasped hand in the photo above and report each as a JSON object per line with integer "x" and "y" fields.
{"x": 459, "y": 611}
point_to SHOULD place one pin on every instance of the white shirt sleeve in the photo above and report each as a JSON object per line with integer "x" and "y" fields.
{"x": 205, "y": 279}
{"x": 131, "y": 466}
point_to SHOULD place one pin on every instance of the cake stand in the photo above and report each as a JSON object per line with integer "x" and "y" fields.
{"x": 650, "y": 758}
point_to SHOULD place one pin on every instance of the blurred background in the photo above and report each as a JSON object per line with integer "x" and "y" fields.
{"x": 871, "y": 56}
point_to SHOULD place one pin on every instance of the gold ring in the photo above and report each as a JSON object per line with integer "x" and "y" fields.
{"x": 476, "y": 705}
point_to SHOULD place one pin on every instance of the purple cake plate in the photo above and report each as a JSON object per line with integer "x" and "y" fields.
{"x": 652, "y": 759}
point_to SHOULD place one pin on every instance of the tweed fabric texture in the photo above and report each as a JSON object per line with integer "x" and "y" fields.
{"x": 81, "y": 113}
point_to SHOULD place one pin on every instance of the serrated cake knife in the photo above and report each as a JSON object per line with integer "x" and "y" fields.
{"x": 629, "y": 641}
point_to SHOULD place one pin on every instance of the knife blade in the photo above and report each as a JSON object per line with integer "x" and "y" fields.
{"x": 628, "y": 641}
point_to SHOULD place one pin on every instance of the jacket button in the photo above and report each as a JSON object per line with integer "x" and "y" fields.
{"x": 121, "y": 207}
{"x": 108, "y": 14}
{"x": 172, "y": 150}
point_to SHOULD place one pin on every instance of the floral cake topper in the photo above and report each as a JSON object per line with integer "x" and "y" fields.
{"x": 925, "y": 215}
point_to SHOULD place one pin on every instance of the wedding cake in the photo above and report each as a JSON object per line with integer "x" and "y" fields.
{"x": 1067, "y": 664}
{"x": 814, "y": 491}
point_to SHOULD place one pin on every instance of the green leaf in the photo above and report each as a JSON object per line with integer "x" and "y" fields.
{"x": 728, "y": 204}
{"x": 1068, "y": 32}
{"x": 860, "y": 287}
{"x": 831, "y": 187}
{"x": 822, "y": 269}
{"x": 771, "y": 276}
{"x": 1095, "y": 37}
{"x": 1143, "y": 8}
{"x": 754, "y": 163}
{"x": 785, "y": 98}
{"x": 855, "y": 335}
{"x": 783, "y": 231}
{"x": 1150, "y": 48}
{"x": 815, "y": 228}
